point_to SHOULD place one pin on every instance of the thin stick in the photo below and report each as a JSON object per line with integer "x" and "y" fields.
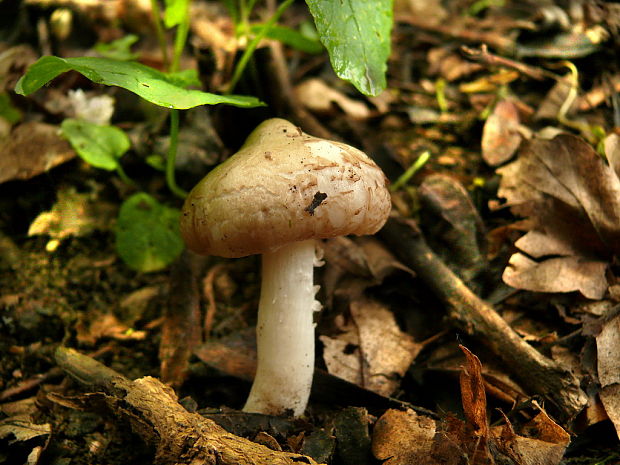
{"x": 537, "y": 373}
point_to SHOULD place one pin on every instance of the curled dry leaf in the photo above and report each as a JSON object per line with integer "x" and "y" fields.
{"x": 572, "y": 197}
{"x": 319, "y": 97}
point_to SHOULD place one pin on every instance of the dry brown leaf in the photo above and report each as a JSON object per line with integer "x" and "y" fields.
{"x": 379, "y": 260}
{"x": 32, "y": 148}
{"x": 453, "y": 225}
{"x": 99, "y": 325}
{"x": 610, "y": 398}
{"x": 473, "y": 395}
{"x": 608, "y": 348}
{"x": 319, "y": 97}
{"x": 573, "y": 198}
{"x": 555, "y": 98}
{"x": 544, "y": 444}
{"x": 403, "y": 438}
{"x": 500, "y": 135}
{"x": 371, "y": 351}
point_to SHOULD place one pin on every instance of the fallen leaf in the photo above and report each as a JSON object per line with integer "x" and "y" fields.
{"x": 473, "y": 395}
{"x": 319, "y": 97}
{"x": 371, "y": 351}
{"x": 19, "y": 427}
{"x": 541, "y": 442}
{"x": 608, "y": 348}
{"x": 563, "y": 274}
{"x": 555, "y": 98}
{"x": 610, "y": 398}
{"x": 500, "y": 135}
{"x": 32, "y": 148}
{"x": 453, "y": 224}
{"x": 403, "y": 438}
{"x": 572, "y": 197}
{"x": 98, "y": 325}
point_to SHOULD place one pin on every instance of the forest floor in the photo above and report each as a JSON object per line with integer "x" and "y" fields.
{"x": 480, "y": 325}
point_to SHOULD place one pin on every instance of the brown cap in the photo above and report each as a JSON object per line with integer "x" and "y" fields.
{"x": 284, "y": 186}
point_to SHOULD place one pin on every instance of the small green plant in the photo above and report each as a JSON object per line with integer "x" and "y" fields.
{"x": 356, "y": 35}
{"x": 147, "y": 236}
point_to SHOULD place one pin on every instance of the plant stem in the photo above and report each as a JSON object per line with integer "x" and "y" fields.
{"x": 121, "y": 174}
{"x": 247, "y": 54}
{"x": 180, "y": 39}
{"x": 172, "y": 154}
{"x": 159, "y": 30}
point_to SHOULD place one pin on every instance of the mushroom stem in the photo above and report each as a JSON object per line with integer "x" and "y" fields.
{"x": 285, "y": 331}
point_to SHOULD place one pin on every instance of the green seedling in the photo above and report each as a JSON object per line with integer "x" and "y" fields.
{"x": 355, "y": 34}
{"x": 118, "y": 49}
{"x": 294, "y": 39}
{"x": 413, "y": 169}
{"x": 7, "y": 110}
{"x": 99, "y": 146}
{"x": 147, "y": 233}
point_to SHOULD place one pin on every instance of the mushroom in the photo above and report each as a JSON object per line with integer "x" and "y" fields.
{"x": 282, "y": 190}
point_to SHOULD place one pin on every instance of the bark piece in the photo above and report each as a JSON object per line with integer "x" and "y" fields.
{"x": 179, "y": 437}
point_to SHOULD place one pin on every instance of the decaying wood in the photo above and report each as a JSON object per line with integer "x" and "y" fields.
{"x": 536, "y": 373}
{"x": 179, "y": 437}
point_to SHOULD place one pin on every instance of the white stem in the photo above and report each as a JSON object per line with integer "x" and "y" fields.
{"x": 285, "y": 332}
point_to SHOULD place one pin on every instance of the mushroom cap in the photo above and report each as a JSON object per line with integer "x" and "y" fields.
{"x": 284, "y": 186}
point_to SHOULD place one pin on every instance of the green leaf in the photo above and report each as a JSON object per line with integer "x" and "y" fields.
{"x": 119, "y": 49}
{"x": 147, "y": 233}
{"x": 290, "y": 37}
{"x": 156, "y": 162}
{"x": 146, "y": 82}
{"x": 99, "y": 146}
{"x": 184, "y": 78}
{"x": 175, "y": 12}
{"x": 356, "y": 34}
{"x": 7, "y": 110}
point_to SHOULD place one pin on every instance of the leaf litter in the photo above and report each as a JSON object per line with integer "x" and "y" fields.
{"x": 563, "y": 194}
{"x": 572, "y": 197}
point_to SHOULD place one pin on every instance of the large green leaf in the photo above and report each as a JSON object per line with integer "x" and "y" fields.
{"x": 356, "y": 34}
{"x": 150, "y": 84}
{"x": 147, "y": 233}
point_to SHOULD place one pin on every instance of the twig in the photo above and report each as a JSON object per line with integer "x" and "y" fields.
{"x": 210, "y": 296}
{"x": 461, "y": 31}
{"x": 483, "y": 55}
{"x": 179, "y": 437}
{"x": 537, "y": 373}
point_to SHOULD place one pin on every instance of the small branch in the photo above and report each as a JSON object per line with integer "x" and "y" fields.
{"x": 484, "y": 56}
{"x": 179, "y": 437}
{"x": 537, "y": 373}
